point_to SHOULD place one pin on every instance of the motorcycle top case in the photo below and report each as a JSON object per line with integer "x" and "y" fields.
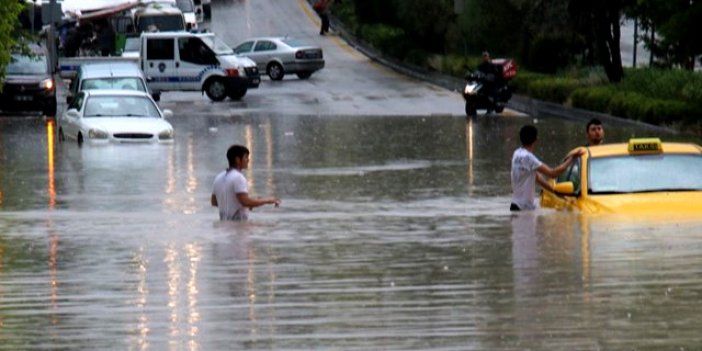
{"x": 508, "y": 67}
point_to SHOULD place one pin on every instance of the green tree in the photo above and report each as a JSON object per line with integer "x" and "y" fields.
{"x": 9, "y": 14}
{"x": 673, "y": 29}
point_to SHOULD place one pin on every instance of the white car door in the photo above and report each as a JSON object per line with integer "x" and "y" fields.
{"x": 69, "y": 124}
{"x": 159, "y": 64}
{"x": 194, "y": 59}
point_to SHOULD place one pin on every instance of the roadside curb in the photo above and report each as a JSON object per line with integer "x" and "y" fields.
{"x": 521, "y": 103}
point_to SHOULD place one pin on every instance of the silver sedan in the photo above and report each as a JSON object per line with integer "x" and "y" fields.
{"x": 278, "y": 56}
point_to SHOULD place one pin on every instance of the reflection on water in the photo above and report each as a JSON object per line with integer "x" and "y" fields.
{"x": 394, "y": 234}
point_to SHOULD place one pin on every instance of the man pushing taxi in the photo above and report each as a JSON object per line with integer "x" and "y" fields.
{"x": 526, "y": 168}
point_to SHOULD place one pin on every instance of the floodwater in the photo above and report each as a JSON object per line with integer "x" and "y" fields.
{"x": 393, "y": 234}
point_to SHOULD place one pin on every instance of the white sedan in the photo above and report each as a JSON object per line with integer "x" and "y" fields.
{"x": 115, "y": 116}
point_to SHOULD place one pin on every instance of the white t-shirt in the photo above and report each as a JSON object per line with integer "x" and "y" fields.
{"x": 226, "y": 185}
{"x": 524, "y": 165}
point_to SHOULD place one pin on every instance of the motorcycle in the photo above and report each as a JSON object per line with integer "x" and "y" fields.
{"x": 489, "y": 91}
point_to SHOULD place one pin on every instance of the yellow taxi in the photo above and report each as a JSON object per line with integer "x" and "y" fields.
{"x": 644, "y": 176}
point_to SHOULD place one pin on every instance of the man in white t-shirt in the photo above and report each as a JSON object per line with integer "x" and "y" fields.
{"x": 525, "y": 169}
{"x": 230, "y": 191}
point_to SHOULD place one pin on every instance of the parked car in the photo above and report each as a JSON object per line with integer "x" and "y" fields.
{"x": 28, "y": 84}
{"x": 642, "y": 177}
{"x": 114, "y": 116}
{"x": 278, "y": 56}
{"x": 108, "y": 75}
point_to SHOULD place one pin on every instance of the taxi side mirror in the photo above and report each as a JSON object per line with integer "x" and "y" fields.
{"x": 167, "y": 113}
{"x": 564, "y": 188}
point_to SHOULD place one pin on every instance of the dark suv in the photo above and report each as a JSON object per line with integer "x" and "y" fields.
{"x": 29, "y": 85}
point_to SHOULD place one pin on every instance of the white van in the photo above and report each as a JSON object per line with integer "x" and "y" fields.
{"x": 159, "y": 17}
{"x": 184, "y": 61}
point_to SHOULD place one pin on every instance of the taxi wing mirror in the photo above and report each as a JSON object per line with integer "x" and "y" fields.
{"x": 69, "y": 99}
{"x": 564, "y": 188}
{"x": 167, "y": 113}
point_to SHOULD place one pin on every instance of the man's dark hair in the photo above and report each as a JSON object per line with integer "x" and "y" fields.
{"x": 527, "y": 135}
{"x": 235, "y": 151}
{"x": 593, "y": 121}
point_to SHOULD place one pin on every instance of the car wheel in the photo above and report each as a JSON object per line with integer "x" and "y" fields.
{"x": 275, "y": 71}
{"x": 304, "y": 75}
{"x": 237, "y": 93}
{"x": 80, "y": 139}
{"x": 51, "y": 109}
{"x": 499, "y": 108}
{"x": 215, "y": 89}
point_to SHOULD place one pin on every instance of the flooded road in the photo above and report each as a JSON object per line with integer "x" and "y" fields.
{"x": 393, "y": 234}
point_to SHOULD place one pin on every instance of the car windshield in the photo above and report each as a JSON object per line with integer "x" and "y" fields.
{"x": 295, "y": 43}
{"x": 217, "y": 45}
{"x": 163, "y": 23}
{"x": 131, "y": 44}
{"x": 27, "y": 65}
{"x": 646, "y": 173}
{"x": 185, "y": 5}
{"x": 120, "y": 106}
{"x": 120, "y": 83}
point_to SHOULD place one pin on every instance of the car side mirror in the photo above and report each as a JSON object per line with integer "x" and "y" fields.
{"x": 167, "y": 113}
{"x": 69, "y": 99}
{"x": 564, "y": 188}
{"x": 73, "y": 113}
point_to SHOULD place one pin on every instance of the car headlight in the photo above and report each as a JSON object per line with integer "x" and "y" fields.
{"x": 47, "y": 84}
{"x": 166, "y": 134}
{"x": 94, "y": 133}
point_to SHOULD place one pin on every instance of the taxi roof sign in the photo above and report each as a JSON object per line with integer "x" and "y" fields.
{"x": 645, "y": 146}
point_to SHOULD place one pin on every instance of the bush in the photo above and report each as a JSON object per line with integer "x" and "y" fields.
{"x": 385, "y": 38}
{"x": 553, "y": 89}
{"x": 524, "y": 78}
{"x": 592, "y": 98}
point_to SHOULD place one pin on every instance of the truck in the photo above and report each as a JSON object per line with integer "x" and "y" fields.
{"x": 185, "y": 61}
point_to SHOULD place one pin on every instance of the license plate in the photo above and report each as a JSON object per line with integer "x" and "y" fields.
{"x": 23, "y": 97}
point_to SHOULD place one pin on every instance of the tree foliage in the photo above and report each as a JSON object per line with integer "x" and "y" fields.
{"x": 544, "y": 35}
{"x": 9, "y": 13}
{"x": 675, "y": 25}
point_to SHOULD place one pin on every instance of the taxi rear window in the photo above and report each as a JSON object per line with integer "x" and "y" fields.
{"x": 648, "y": 173}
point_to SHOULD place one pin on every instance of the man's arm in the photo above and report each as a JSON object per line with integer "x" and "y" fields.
{"x": 213, "y": 200}
{"x": 555, "y": 172}
{"x": 544, "y": 183}
{"x": 250, "y": 202}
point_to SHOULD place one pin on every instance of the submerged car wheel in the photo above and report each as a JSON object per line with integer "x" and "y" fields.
{"x": 215, "y": 89}
{"x": 499, "y": 108}
{"x": 275, "y": 71}
{"x": 304, "y": 75}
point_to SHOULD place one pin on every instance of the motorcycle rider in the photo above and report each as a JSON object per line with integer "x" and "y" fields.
{"x": 491, "y": 75}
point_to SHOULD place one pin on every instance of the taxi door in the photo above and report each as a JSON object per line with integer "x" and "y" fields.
{"x": 194, "y": 59}
{"x": 160, "y": 65}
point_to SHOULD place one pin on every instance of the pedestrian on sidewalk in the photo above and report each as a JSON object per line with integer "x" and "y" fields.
{"x": 322, "y": 9}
